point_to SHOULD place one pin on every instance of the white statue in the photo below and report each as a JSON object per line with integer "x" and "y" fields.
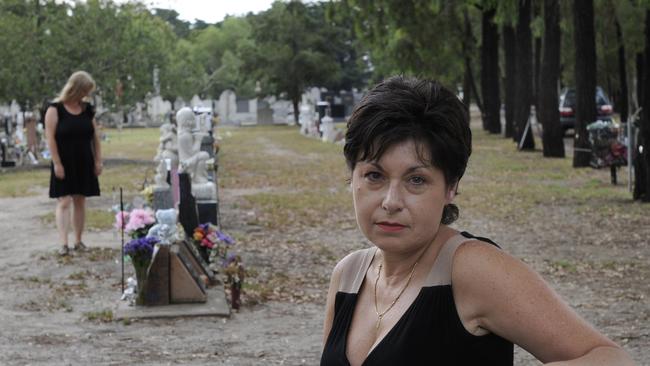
{"x": 190, "y": 157}
{"x": 167, "y": 156}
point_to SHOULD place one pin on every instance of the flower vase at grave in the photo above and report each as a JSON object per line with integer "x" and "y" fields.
{"x": 141, "y": 267}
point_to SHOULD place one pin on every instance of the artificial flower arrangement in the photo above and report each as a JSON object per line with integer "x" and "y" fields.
{"x": 212, "y": 243}
{"x": 135, "y": 223}
{"x": 140, "y": 250}
{"x": 215, "y": 244}
{"x": 235, "y": 272}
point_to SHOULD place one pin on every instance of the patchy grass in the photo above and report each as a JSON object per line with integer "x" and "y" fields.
{"x": 305, "y": 179}
{"x": 79, "y": 275}
{"x": 309, "y": 208}
{"x": 23, "y": 183}
{"x": 131, "y": 177}
{"x": 279, "y": 157}
{"x": 34, "y": 280}
{"x": 308, "y": 178}
{"x": 95, "y": 219}
{"x": 131, "y": 143}
{"x": 102, "y": 316}
{"x": 506, "y": 184}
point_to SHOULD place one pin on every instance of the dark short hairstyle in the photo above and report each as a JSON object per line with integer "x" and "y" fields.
{"x": 403, "y": 108}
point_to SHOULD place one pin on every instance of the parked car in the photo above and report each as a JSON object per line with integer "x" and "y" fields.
{"x": 567, "y": 107}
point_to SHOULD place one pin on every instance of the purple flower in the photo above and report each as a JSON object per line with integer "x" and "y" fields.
{"x": 230, "y": 257}
{"x": 225, "y": 238}
{"x": 140, "y": 249}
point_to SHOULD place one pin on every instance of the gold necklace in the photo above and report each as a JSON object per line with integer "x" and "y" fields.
{"x": 380, "y": 315}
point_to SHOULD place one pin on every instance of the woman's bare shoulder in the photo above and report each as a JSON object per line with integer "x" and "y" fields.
{"x": 350, "y": 260}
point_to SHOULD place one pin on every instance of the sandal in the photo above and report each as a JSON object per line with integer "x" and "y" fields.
{"x": 80, "y": 246}
{"x": 64, "y": 251}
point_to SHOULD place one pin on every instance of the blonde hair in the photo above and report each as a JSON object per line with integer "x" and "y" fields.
{"x": 79, "y": 85}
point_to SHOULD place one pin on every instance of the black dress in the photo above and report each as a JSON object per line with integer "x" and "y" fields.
{"x": 429, "y": 333}
{"x": 74, "y": 140}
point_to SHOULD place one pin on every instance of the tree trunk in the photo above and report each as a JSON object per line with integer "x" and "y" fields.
{"x": 548, "y": 113}
{"x": 469, "y": 38}
{"x": 537, "y": 58}
{"x": 537, "y": 72}
{"x": 523, "y": 133}
{"x": 585, "y": 43}
{"x": 467, "y": 89}
{"x": 490, "y": 73}
{"x": 623, "y": 103}
{"x": 296, "y": 110}
{"x": 642, "y": 184}
{"x": 639, "y": 79}
{"x": 511, "y": 64}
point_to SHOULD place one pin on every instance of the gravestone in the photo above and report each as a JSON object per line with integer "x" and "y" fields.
{"x": 162, "y": 198}
{"x": 227, "y": 106}
{"x": 157, "y": 284}
{"x": 347, "y": 99}
{"x": 264, "y": 113}
{"x": 327, "y": 129}
{"x": 188, "y": 214}
{"x": 207, "y": 211}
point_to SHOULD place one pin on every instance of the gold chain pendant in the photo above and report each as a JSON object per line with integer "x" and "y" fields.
{"x": 379, "y": 321}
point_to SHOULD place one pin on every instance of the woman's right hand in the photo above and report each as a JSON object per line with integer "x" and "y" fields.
{"x": 59, "y": 172}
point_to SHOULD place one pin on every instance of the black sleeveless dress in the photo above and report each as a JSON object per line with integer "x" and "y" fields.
{"x": 74, "y": 140}
{"x": 429, "y": 333}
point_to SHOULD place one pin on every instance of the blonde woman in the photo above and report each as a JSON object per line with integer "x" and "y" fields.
{"x": 72, "y": 136}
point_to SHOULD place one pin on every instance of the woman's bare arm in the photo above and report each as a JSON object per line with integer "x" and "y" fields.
{"x": 98, "y": 150}
{"x": 498, "y": 293}
{"x": 51, "y": 121}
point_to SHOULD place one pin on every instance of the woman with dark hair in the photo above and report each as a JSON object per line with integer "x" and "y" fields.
{"x": 72, "y": 136}
{"x": 425, "y": 293}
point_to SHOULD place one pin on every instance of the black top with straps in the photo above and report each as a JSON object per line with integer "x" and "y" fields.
{"x": 429, "y": 333}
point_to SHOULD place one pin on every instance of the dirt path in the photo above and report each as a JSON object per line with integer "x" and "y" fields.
{"x": 49, "y": 306}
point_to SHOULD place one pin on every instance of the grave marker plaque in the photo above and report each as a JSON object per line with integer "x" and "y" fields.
{"x": 185, "y": 283}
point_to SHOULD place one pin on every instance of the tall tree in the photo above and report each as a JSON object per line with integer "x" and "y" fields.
{"x": 509, "y": 49}
{"x": 523, "y": 96}
{"x": 585, "y": 76}
{"x": 413, "y": 37}
{"x": 468, "y": 42}
{"x": 180, "y": 27}
{"x": 642, "y": 160}
{"x": 623, "y": 102}
{"x": 548, "y": 113}
{"x": 639, "y": 61}
{"x": 291, "y": 56}
{"x": 537, "y": 51}
{"x": 490, "y": 72}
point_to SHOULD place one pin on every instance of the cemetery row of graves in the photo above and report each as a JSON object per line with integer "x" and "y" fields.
{"x": 22, "y": 136}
